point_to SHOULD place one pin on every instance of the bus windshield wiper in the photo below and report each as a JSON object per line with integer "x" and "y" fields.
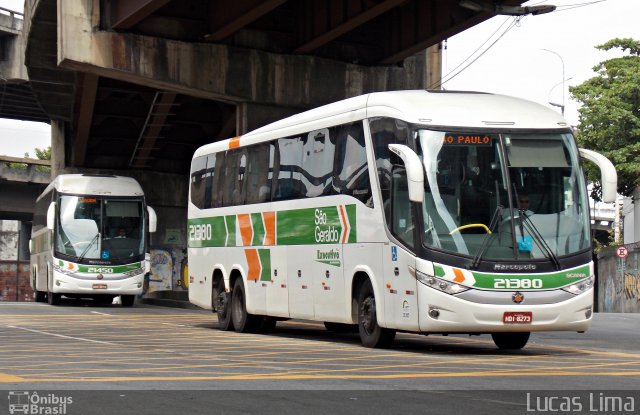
{"x": 533, "y": 230}
{"x": 95, "y": 239}
{"x": 497, "y": 214}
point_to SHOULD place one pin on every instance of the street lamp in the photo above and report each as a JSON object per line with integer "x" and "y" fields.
{"x": 561, "y": 106}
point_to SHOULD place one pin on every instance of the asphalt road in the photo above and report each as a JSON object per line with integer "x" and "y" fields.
{"x": 149, "y": 359}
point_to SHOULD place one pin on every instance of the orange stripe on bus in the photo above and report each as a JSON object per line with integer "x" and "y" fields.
{"x": 234, "y": 142}
{"x": 343, "y": 219}
{"x": 269, "y": 228}
{"x": 459, "y": 276}
{"x": 253, "y": 263}
{"x": 245, "y": 228}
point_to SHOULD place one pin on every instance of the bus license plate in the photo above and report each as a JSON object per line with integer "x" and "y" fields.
{"x": 517, "y": 317}
{"x": 99, "y": 286}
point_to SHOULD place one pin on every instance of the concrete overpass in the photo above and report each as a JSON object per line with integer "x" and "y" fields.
{"x": 135, "y": 86}
{"x": 21, "y": 182}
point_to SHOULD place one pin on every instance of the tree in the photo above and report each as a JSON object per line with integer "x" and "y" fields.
{"x": 610, "y": 114}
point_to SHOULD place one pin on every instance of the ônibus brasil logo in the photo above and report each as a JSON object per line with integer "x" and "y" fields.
{"x": 32, "y": 403}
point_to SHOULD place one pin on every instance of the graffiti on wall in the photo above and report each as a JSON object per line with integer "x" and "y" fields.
{"x": 632, "y": 287}
{"x": 161, "y": 271}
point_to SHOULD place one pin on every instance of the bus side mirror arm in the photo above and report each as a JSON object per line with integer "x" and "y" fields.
{"x": 415, "y": 172}
{"x": 153, "y": 219}
{"x": 608, "y": 175}
{"x": 51, "y": 216}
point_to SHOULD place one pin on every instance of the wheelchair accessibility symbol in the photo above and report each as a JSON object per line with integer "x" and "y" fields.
{"x": 394, "y": 253}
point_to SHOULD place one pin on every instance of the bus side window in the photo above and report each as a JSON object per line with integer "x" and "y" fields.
{"x": 317, "y": 163}
{"x": 198, "y": 180}
{"x": 289, "y": 184}
{"x": 258, "y": 184}
{"x": 236, "y": 161}
{"x": 351, "y": 173}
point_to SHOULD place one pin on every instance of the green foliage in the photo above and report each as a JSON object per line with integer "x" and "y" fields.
{"x": 610, "y": 114}
{"x": 43, "y": 154}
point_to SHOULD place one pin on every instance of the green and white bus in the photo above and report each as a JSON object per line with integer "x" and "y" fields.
{"x": 398, "y": 211}
{"x": 89, "y": 239}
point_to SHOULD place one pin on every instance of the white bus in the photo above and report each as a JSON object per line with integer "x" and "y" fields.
{"x": 89, "y": 239}
{"x": 398, "y": 211}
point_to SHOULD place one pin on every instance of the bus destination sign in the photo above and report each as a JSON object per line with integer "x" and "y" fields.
{"x": 467, "y": 140}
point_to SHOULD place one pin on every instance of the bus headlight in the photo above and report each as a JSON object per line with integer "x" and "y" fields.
{"x": 580, "y": 286}
{"x": 440, "y": 284}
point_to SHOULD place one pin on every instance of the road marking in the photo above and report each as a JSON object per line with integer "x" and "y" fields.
{"x": 102, "y": 314}
{"x": 63, "y": 336}
{"x": 6, "y": 378}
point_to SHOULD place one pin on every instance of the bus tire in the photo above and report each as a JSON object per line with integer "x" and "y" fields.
{"x": 511, "y": 341}
{"x": 340, "y": 327}
{"x": 127, "y": 300}
{"x": 268, "y": 324}
{"x": 371, "y": 334}
{"x": 40, "y": 296}
{"x": 53, "y": 298}
{"x": 222, "y": 306}
{"x": 243, "y": 322}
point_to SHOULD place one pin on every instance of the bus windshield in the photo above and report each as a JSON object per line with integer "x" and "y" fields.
{"x": 97, "y": 228}
{"x": 503, "y": 196}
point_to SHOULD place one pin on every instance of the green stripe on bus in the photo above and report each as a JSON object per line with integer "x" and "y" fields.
{"x": 265, "y": 262}
{"x": 322, "y": 225}
{"x": 258, "y": 229}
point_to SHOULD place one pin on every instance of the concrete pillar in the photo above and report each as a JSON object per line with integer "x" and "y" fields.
{"x": 24, "y": 234}
{"x": 58, "y": 161}
{"x": 252, "y": 115}
{"x": 636, "y": 214}
{"x": 433, "y": 78}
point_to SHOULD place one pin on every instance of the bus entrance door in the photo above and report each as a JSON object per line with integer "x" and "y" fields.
{"x": 400, "y": 288}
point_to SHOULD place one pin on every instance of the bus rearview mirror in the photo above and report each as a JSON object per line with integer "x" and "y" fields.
{"x": 415, "y": 173}
{"x": 608, "y": 174}
{"x": 51, "y": 215}
{"x": 153, "y": 219}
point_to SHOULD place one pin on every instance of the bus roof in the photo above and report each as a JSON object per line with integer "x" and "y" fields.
{"x": 430, "y": 108}
{"x": 97, "y": 185}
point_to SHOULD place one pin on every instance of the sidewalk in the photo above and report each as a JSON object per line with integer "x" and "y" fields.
{"x": 178, "y": 299}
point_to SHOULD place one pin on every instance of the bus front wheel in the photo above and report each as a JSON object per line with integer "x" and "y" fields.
{"x": 127, "y": 300}
{"x": 510, "y": 341}
{"x": 371, "y": 334}
{"x": 243, "y": 322}
{"x": 53, "y": 298}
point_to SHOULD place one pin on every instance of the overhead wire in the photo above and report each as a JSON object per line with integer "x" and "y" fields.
{"x": 514, "y": 22}
{"x": 451, "y": 75}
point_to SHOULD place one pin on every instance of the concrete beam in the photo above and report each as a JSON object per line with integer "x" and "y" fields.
{"x": 128, "y": 13}
{"x": 242, "y": 14}
{"x": 84, "y": 108}
{"x": 216, "y": 71}
{"x": 349, "y": 25}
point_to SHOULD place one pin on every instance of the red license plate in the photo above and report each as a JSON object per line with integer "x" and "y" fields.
{"x": 99, "y": 286}
{"x": 517, "y": 317}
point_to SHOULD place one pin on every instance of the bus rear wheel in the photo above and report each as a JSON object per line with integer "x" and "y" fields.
{"x": 371, "y": 334}
{"x": 511, "y": 341}
{"x": 243, "y": 322}
{"x": 222, "y": 306}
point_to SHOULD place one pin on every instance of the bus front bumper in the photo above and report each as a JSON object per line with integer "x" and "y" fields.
{"x": 444, "y": 313}
{"x": 113, "y": 285}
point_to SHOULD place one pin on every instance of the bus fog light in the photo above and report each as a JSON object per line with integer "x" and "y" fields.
{"x": 58, "y": 283}
{"x": 434, "y": 313}
{"x": 588, "y": 313}
{"x": 139, "y": 285}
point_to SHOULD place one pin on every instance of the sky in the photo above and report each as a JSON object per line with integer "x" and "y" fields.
{"x": 509, "y": 62}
